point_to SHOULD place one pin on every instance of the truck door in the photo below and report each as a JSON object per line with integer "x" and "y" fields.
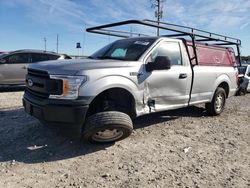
{"x": 168, "y": 88}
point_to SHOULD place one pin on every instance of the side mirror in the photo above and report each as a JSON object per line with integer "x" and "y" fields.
{"x": 160, "y": 63}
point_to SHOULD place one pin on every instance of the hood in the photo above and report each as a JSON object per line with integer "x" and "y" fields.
{"x": 75, "y": 66}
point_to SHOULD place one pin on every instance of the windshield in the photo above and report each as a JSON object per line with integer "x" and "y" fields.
{"x": 242, "y": 69}
{"x": 126, "y": 49}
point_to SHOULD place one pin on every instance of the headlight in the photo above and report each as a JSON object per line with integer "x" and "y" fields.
{"x": 70, "y": 86}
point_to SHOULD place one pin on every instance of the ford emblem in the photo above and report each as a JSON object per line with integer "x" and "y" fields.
{"x": 30, "y": 82}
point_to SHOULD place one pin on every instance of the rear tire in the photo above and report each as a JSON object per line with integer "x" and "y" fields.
{"x": 110, "y": 126}
{"x": 217, "y": 105}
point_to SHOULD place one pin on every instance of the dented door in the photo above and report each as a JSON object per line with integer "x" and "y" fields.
{"x": 168, "y": 89}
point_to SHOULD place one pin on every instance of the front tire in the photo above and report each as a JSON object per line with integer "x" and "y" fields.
{"x": 110, "y": 126}
{"x": 217, "y": 105}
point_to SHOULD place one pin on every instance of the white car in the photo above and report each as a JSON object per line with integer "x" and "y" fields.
{"x": 13, "y": 65}
{"x": 247, "y": 75}
{"x": 244, "y": 72}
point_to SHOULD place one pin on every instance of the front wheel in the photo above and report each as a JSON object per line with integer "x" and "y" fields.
{"x": 217, "y": 105}
{"x": 107, "y": 126}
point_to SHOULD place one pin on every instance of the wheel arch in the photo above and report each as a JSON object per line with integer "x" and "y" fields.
{"x": 222, "y": 81}
{"x": 115, "y": 97}
{"x": 225, "y": 86}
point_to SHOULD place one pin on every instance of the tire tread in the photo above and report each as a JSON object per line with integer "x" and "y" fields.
{"x": 102, "y": 119}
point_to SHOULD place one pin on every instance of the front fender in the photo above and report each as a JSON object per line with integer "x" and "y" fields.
{"x": 98, "y": 86}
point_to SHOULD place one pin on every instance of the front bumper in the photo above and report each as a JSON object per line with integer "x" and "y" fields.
{"x": 56, "y": 112}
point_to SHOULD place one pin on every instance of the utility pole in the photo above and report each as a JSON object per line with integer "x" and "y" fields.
{"x": 57, "y": 36}
{"x": 84, "y": 39}
{"x": 158, "y": 12}
{"x": 45, "y": 40}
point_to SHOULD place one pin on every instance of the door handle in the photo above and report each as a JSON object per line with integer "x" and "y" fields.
{"x": 24, "y": 67}
{"x": 182, "y": 76}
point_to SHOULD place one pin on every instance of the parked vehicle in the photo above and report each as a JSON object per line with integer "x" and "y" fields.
{"x": 13, "y": 65}
{"x": 131, "y": 77}
{"x": 64, "y": 56}
{"x": 243, "y": 80}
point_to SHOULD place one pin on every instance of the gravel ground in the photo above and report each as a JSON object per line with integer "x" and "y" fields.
{"x": 180, "y": 148}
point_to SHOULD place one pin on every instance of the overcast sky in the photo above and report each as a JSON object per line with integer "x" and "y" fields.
{"x": 25, "y": 23}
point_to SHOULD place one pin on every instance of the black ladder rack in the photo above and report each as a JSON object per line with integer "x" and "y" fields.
{"x": 196, "y": 35}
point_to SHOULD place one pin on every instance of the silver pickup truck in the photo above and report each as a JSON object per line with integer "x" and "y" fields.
{"x": 97, "y": 97}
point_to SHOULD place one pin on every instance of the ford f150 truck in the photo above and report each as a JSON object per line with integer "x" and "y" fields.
{"x": 98, "y": 96}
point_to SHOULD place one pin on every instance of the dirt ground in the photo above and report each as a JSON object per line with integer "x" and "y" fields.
{"x": 180, "y": 148}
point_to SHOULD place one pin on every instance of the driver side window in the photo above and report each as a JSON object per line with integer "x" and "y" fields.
{"x": 167, "y": 49}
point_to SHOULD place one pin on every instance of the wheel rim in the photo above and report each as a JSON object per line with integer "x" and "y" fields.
{"x": 107, "y": 135}
{"x": 219, "y": 102}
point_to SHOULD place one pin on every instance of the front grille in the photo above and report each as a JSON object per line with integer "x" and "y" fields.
{"x": 38, "y": 73}
{"x": 39, "y": 84}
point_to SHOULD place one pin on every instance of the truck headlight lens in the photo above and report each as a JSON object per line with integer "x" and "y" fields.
{"x": 70, "y": 86}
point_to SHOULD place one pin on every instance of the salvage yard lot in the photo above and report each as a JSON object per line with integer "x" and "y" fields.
{"x": 180, "y": 148}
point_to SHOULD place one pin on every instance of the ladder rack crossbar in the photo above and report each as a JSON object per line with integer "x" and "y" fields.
{"x": 201, "y": 34}
{"x": 196, "y": 35}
